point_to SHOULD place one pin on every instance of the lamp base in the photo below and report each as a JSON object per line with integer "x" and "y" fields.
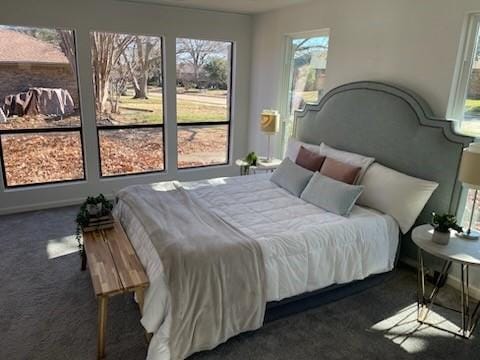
{"x": 469, "y": 235}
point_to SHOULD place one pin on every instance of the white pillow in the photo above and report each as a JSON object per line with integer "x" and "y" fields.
{"x": 293, "y": 148}
{"x": 349, "y": 158}
{"x": 401, "y": 196}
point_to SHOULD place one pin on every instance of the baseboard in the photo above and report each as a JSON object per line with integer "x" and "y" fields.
{"x": 452, "y": 281}
{"x": 41, "y": 206}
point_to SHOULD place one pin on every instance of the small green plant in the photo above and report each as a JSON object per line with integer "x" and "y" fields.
{"x": 83, "y": 216}
{"x": 251, "y": 159}
{"x": 445, "y": 222}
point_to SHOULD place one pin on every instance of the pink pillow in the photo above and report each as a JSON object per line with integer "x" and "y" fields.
{"x": 309, "y": 160}
{"x": 340, "y": 171}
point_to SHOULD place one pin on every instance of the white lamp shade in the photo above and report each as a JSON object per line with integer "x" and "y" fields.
{"x": 469, "y": 173}
{"x": 269, "y": 121}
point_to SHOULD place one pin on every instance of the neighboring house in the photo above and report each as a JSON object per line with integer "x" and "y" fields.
{"x": 186, "y": 75}
{"x": 27, "y": 62}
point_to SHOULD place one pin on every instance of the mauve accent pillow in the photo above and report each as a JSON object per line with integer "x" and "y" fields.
{"x": 340, "y": 171}
{"x": 331, "y": 195}
{"x": 350, "y": 158}
{"x": 291, "y": 177}
{"x": 293, "y": 147}
{"x": 309, "y": 160}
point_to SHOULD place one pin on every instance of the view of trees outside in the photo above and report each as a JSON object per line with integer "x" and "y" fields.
{"x": 39, "y": 108}
{"x": 203, "y": 101}
{"x": 128, "y": 83}
{"x": 39, "y": 91}
{"x": 307, "y": 75}
{"x": 471, "y": 125}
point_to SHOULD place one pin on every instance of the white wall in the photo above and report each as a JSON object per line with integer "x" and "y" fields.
{"x": 109, "y": 15}
{"x": 406, "y": 42}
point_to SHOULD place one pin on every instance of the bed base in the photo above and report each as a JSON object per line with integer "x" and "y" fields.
{"x": 279, "y": 309}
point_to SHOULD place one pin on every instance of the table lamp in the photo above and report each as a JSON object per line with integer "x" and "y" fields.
{"x": 269, "y": 123}
{"x": 469, "y": 175}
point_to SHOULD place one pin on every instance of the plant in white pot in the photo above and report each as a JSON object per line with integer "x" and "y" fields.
{"x": 442, "y": 225}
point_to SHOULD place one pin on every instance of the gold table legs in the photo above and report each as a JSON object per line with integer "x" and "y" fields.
{"x": 425, "y": 302}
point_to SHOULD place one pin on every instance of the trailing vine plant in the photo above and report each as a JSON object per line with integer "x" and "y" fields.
{"x": 83, "y": 217}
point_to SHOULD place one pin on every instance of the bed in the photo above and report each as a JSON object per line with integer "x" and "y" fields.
{"x": 303, "y": 249}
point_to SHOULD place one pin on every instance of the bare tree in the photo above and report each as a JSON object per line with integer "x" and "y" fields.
{"x": 67, "y": 44}
{"x": 139, "y": 58}
{"x": 197, "y": 53}
{"x": 106, "y": 51}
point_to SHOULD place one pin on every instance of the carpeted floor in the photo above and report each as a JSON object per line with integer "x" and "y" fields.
{"x": 48, "y": 311}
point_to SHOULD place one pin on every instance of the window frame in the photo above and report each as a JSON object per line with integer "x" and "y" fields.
{"x": 286, "y": 80}
{"x": 456, "y": 106}
{"x": 99, "y": 128}
{"x": 21, "y": 131}
{"x": 211, "y": 123}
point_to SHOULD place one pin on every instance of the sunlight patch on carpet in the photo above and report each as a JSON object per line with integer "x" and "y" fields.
{"x": 62, "y": 246}
{"x": 403, "y": 329}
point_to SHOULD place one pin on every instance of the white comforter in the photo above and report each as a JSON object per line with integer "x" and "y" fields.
{"x": 305, "y": 248}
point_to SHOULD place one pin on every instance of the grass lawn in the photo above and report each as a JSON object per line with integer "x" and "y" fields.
{"x": 472, "y": 127}
{"x": 194, "y": 107}
{"x": 472, "y": 105}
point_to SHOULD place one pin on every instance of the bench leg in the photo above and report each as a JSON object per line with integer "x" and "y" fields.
{"x": 83, "y": 255}
{"x": 102, "y": 322}
{"x": 140, "y": 295}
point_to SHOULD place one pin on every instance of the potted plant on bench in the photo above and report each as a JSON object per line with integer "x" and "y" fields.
{"x": 94, "y": 214}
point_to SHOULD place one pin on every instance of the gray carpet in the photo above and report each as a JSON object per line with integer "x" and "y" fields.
{"x": 48, "y": 311}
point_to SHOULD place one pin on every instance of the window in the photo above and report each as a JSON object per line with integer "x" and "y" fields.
{"x": 305, "y": 74}
{"x": 465, "y": 105}
{"x": 128, "y": 83}
{"x": 40, "y": 126}
{"x": 466, "y": 99}
{"x": 203, "y": 102}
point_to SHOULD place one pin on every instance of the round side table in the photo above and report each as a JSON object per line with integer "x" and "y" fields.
{"x": 464, "y": 252}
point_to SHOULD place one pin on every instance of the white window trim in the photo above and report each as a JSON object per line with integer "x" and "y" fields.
{"x": 463, "y": 68}
{"x": 286, "y": 78}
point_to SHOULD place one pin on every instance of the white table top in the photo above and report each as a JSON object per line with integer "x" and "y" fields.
{"x": 458, "y": 250}
{"x": 264, "y": 164}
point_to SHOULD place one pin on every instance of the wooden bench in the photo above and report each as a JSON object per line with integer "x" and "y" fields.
{"x": 114, "y": 269}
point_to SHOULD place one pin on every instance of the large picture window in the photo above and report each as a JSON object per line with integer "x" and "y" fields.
{"x": 203, "y": 102}
{"x": 40, "y": 126}
{"x": 128, "y": 83}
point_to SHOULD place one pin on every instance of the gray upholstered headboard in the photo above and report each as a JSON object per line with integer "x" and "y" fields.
{"x": 397, "y": 128}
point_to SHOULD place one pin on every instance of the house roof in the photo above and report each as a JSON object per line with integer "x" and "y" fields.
{"x": 17, "y": 47}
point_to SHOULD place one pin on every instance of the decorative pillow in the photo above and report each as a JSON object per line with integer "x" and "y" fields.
{"x": 309, "y": 160}
{"x": 293, "y": 147}
{"x": 401, "y": 196}
{"x": 340, "y": 171}
{"x": 331, "y": 195}
{"x": 348, "y": 157}
{"x": 291, "y": 177}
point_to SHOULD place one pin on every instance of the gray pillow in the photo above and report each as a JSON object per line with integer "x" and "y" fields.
{"x": 331, "y": 195}
{"x": 291, "y": 177}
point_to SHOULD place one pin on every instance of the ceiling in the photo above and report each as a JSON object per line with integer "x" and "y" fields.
{"x": 235, "y": 6}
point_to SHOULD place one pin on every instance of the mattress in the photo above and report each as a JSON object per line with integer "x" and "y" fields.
{"x": 305, "y": 248}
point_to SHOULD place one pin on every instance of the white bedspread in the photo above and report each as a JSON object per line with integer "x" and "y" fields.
{"x": 305, "y": 248}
